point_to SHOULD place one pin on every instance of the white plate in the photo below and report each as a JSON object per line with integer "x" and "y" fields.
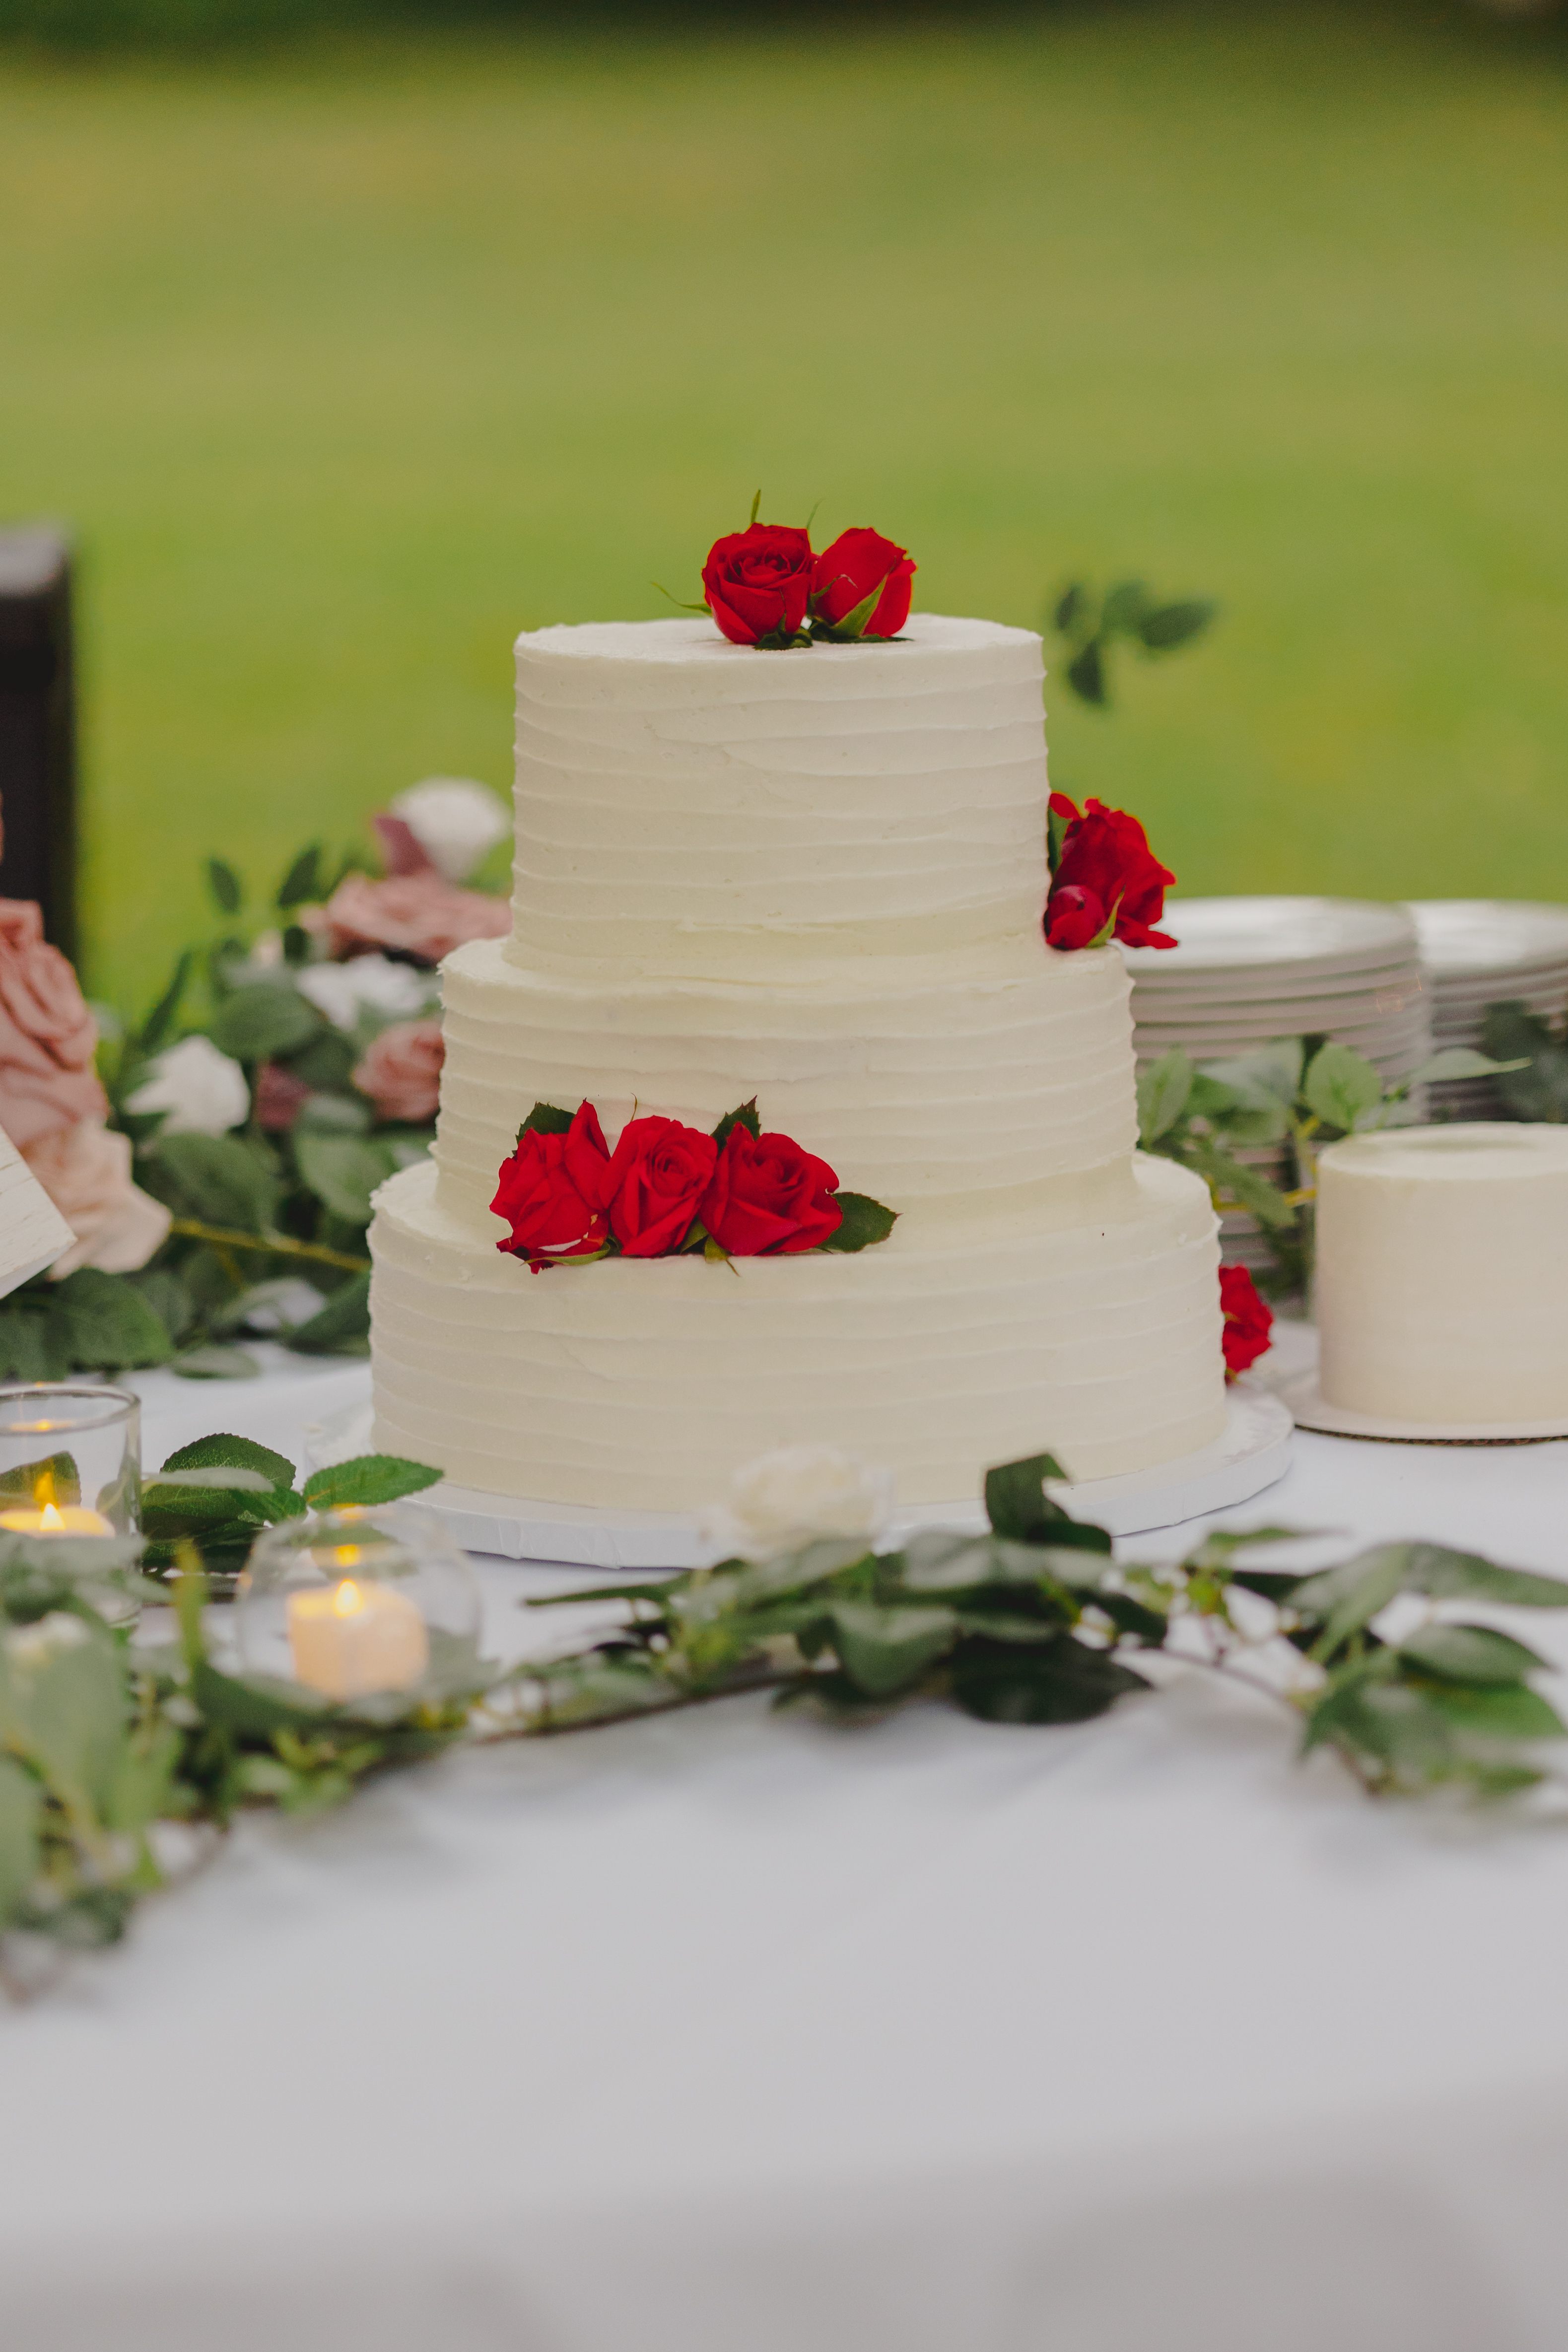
{"x": 1400, "y": 983}
{"x": 1461, "y": 935}
{"x": 1231, "y": 934}
{"x": 1252, "y": 1452}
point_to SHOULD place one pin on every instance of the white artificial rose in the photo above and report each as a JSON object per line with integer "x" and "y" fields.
{"x": 365, "y": 983}
{"x": 795, "y": 1496}
{"x": 455, "y": 821}
{"x": 202, "y": 1091}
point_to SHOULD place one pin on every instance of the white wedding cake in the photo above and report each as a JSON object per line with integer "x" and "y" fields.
{"x": 817, "y": 877}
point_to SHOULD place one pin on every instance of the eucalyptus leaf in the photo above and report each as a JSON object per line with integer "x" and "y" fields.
{"x": 1510, "y": 1711}
{"x": 221, "y": 1179}
{"x": 1341, "y": 1086}
{"x": 1163, "y": 1092}
{"x": 1165, "y": 627}
{"x": 1461, "y": 1061}
{"x": 1446, "y": 1575}
{"x": 264, "y": 1021}
{"x": 343, "y": 1325}
{"x": 225, "y": 885}
{"x": 1469, "y": 1653}
{"x": 223, "y": 1450}
{"x": 887, "y": 1650}
{"x": 344, "y": 1170}
{"x": 370, "y": 1478}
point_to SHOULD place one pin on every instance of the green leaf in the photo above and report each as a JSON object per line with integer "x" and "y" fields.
{"x": 1122, "y": 613}
{"x": 545, "y": 1118}
{"x": 1341, "y": 1085}
{"x": 21, "y": 1800}
{"x": 887, "y": 1650}
{"x": 301, "y": 885}
{"x": 1016, "y": 1502}
{"x": 223, "y": 1450}
{"x": 1086, "y": 674}
{"x": 1165, "y": 626}
{"x": 864, "y": 1222}
{"x": 1268, "y": 1075}
{"x": 25, "y": 1353}
{"x": 326, "y": 1062}
{"x": 106, "y": 1322}
{"x": 1072, "y": 607}
{"x": 1163, "y": 1091}
{"x": 251, "y": 1708}
{"x": 1447, "y": 1575}
{"x": 1469, "y": 1653}
{"x": 853, "y": 627}
{"x": 225, "y": 886}
{"x": 370, "y": 1478}
{"x": 1056, "y": 825}
{"x": 324, "y": 1113}
{"x": 264, "y": 1020}
{"x": 52, "y": 1478}
{"x": 1460, "y": 1062}
{"x": 220, "y": 1179}
{"x": 209, "y": 1361}
{"x": 1254, "y": 1192}
{"x": 167, "y": 1296}
{"x": 746, "y": 1116}
{"x": 1509, "y": 1712}
{"x": 342, "y": 1327}
{"x": 344, "y": 1170}
{"x": 1389, "y": 1721}
{"x": 65, "y": 1713}
{"x": 1349, "y": 1597}
{"x": 1063, "y": 1681}
{"x": 154, "y": 1031}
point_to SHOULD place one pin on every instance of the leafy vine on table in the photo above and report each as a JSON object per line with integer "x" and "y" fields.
{"x": 124, "y": 1756}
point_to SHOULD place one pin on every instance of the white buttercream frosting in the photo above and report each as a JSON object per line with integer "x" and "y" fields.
{"x": 816, "y": 878}
{"x": 1442, "y": 1273}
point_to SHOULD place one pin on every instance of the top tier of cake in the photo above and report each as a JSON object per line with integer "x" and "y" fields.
{"x": 694, "y": 810}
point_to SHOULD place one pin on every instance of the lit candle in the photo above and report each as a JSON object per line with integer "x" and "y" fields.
{"x": 356, "y": 1637}
{"x": 56, "y": 1520}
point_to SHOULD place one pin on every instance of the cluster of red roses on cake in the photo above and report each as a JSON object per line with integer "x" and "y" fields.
{"x": 1105, "y": 881}
{"x": 765, "y": 588}
{"x": 668, "y": 1190}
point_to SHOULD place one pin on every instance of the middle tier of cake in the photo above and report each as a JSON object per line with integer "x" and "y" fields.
{"x": 986, "y": 1098}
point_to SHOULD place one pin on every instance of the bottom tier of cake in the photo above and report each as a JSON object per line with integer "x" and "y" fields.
{"x": 645, "y": 1384}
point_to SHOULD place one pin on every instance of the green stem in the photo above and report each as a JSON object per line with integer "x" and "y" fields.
{"x": 221, "y": 1237}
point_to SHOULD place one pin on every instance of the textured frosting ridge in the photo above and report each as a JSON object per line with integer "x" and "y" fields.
{"x": 690, "y": 808}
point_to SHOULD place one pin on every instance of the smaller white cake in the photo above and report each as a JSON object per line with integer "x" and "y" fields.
{"x": 1442, "y": 1273}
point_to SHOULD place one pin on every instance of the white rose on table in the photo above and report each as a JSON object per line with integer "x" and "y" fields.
{"x": 797, "y": 1496}
{"x": 455, "y": 821}
{"x": 366, "y": 984}
{"x": 201, "y": 1091}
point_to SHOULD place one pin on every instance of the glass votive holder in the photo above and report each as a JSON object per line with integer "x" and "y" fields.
{"x": 70, "y": 1485}
{"x": 360, "y": 1604}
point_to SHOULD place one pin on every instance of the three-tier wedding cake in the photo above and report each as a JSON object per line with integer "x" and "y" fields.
{"x": 816, "y": 877}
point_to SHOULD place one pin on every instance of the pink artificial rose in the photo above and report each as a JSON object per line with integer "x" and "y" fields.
{"x": 279, "y": 1098}
{"x": 419, "y": 915}
{"x": 401, "y": 1071}
{"x": 86, "y": 1171}
{"x": 47, "y": 1035}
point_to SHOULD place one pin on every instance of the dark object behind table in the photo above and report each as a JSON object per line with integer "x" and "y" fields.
{"x": 37, "y": 727}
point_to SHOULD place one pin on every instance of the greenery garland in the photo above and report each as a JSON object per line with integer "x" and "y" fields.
{"x": 121, "y": 1758}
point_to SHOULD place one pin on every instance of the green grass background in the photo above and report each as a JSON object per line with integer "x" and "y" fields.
{"x": 346, "y": 363}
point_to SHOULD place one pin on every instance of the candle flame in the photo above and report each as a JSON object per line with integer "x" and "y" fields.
{"x": 52, "y": 1523}
{"x": 44, "y": 1491}
{"x": 348, "y": 1599}
{"x": 346, "y": 1555}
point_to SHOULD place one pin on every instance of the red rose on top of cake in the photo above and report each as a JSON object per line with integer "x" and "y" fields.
{"x": 768, "y": 1198}
{"x": 862, "y": 565}
{"x": 657, "y": 1174}
{"x": 552, "y": 1189}
{"x": 1105, "y": 881}
{"x": 758, "y": 582}
{"x": 1248, "y": 1330}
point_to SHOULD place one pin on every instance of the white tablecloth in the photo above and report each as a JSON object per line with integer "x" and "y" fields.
{"x": 733, "y": 2033}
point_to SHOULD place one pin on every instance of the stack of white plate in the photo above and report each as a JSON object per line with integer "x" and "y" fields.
{"x": 1484, "y": 951}
{"x": 1247, "y": 970}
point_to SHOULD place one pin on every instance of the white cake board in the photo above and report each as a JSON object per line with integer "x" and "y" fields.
{"x": 1291, "y": 1369}
{"x": 1253, "y": 1451}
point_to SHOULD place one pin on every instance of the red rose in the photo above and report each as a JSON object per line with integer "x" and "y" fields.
{"x": 1105, "y": 855}
{"x": 845, "y": 573}
{"x": 552, "y": 1192}
{"x": 654, "y": 1184}
{"x": 1073, "y": 918}
{"x": 1248, "y": 1323}
{"x": 768, "y": 1198}
{"x": 756, "y": 583}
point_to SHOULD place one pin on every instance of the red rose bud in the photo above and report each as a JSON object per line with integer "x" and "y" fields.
{"x": 1073, "y": 918}
{"x": 846, "y": 574}
{"x": 1106, "y": 853}
{"x": 551, "y": 1193}
{"x": 658, "y": 1173}
{"x": 1248, "y": 1323}
{"x": 756, "y": 583}
{"x": 768, "y": 1198}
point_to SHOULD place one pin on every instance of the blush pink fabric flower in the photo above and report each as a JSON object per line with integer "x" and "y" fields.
{"x": 47, "y": 1035}
{"x": 86, "y": 1171}
{"x": 421, "y": 915}
{"x": 401, "y": 1071}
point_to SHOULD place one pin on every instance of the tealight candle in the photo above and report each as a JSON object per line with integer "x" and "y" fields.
{"x": 56, "y": 1519}
{"x": 356, "y": 1637}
